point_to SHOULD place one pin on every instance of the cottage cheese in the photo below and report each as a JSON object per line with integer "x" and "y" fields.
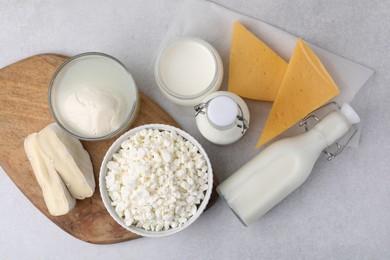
{"x": 156, "y": 180}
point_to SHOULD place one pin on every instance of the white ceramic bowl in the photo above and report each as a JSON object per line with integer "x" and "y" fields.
{"x": 107, "y": 201}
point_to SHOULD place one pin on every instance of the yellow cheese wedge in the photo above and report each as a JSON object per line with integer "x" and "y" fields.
{"x": 305, "y": 87}
{"x": 255, "y": 70}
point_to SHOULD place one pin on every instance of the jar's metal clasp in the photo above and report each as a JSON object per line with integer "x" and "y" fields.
{"x": 339, "y": 148}
{"x": 244, "y": 123}
{"x": 201, "y": 108}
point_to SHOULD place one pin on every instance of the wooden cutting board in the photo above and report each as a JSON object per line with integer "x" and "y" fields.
{"x": 23, "y": 110}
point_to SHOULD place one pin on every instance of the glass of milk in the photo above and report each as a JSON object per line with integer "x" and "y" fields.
{"x": 93, "y": 96}
{"x": 187, "y": 70}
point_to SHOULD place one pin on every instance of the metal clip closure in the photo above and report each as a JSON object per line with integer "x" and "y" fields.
{"x": 243, "y": 123}
{"x": 201, "y": 108}
{"x": 340, "y": 148}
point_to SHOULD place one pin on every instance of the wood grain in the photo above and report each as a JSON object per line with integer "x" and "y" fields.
{"x": 23, "y": 110}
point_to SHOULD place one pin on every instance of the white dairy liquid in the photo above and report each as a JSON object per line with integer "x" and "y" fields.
{"x": 279, "y": 169}
{"x": 187, "y": 68}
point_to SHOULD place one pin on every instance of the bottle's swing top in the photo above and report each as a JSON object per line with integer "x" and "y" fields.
{"x": 347, "y": 111}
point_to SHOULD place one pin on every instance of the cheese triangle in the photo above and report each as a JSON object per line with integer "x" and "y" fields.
{"x": 255, "y": 70}
{"x": 306, "y": 86}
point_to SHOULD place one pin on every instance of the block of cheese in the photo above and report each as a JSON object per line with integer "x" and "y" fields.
{"x": 255, "y": 70}
{"x": 306, "y": 86}
{"x": 57, "y": 197}
{"x": 70, "y": 159}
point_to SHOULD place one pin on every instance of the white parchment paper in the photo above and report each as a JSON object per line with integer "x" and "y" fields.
{"x": 213, "y": 23}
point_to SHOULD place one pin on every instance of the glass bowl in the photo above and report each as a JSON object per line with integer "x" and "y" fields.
{"x": 75, "y": 91}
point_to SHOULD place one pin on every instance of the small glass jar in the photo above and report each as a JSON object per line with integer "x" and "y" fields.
{"x": 222, "y": 117}
{"x": 187, "y": 70}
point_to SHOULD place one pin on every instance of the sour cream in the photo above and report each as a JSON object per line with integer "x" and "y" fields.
{"x": 93, "y": 112}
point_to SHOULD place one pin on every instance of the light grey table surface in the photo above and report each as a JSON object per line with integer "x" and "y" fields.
{"x": 341, "y": 212}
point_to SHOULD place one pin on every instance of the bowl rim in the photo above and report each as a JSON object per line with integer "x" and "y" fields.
{"x": 127, "y": 120}
{"x": 107, "y": 201}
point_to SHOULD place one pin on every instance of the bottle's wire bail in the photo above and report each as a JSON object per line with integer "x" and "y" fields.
{"x": 340, "y": 148}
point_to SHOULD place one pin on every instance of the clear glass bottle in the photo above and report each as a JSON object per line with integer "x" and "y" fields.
{"x": 282, "y": 167}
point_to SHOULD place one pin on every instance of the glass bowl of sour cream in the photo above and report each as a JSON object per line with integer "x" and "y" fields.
{"x": 93, "y": 96}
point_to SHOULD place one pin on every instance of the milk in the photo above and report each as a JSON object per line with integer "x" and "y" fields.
{"x": 280, "y": 168}
{"x": 187, "y": 70}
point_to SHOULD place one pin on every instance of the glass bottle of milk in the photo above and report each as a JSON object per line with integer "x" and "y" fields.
{"x": 282, "y": 167}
